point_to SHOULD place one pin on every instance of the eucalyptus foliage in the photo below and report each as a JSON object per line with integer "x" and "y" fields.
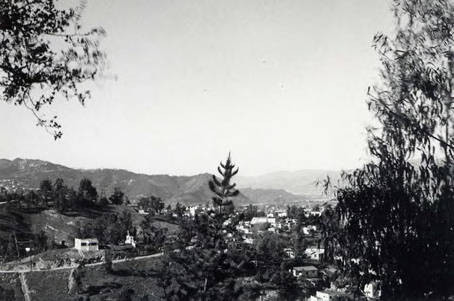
{"x": 45, "y": 55}
{"x": 397, "y": 212}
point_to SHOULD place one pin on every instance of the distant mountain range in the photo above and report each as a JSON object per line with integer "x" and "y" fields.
{"x": 266, "y": 189}
{"x": 302, "y": 182}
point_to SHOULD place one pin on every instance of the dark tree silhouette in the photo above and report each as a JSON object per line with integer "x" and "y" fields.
{"x": 223, "y": 189}
{"x": 397, "y": 212}
{"x": 152, "y": 204}
{"x": 179, "y": 210}
{"x": 61, "y": 193}
{"x": 329, "y": 223}
{"x": 157, "y": 204}
{"x": 87, "y": 193}
{"x": 208, "y": 269}
{"x": 117, "y": 196}
{"x": 211, "y": 253}
{"x": 46, "y": 191}
{"x": 44, "y": 55}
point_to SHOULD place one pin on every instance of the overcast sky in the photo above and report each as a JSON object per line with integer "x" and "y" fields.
{"x": 280, "y": 83}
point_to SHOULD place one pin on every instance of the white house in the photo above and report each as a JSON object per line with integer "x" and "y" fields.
{"x": 263, "y": 220}
{"x": 307, "y": 229}
{"x": 282, "y": 214}
{"x": 323, "y": 296}
{"x": 193, "y": 210}
{"x": 305, "y": 271}
{"x": 258, "y": 220}
{"x": 314, "y": 253}
{"x": 328, "y": 295}
{"x": 130, "y": 240}
{"x": 290, "y": 253}
{"x": 86, "y": 244}
{"x": 248, "y": 240}
{"x": 315, "y": 213}
{"x": 372, "y": 290}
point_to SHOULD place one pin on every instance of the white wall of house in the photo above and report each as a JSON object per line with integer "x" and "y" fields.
{"x": 88, "y": 244}
{"x": 322, "y": 296}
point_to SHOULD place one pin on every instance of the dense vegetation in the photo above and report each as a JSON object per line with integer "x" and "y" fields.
{"x": 84, "y": 201}
{"x": 44, "y": 56}
{"x": 60, "y": 197}
{"x": 397, "y": 212}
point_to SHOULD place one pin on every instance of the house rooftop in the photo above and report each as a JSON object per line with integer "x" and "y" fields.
{"x": 261, "y": 220}
{"x": 333, "y": 293}
{"x": 306, "y": 268}
{"x": 88, "y": 239}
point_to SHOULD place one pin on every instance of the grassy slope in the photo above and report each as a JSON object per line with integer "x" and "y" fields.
{"x": 56, "y": 225}
{"x": 48, "y": 285}
{"x": 53, "y": 285}
{"x": 11, "y": 281}
{"x": 12, "y": 221}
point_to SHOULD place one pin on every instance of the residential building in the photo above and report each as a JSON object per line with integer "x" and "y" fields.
{"x": 290, "y": 253}
{"x": 329, "y": 295}
{"x": 308, "y": 229}
{"x": 86, "y": 244}
{"x": 130, "y": 240}
{"x": 282, "y": 214}
{"x": 372, "y": 290}
{"x": 263, "y": 220}
{"x": 305, "y": 271}
{"x": 314, "y": 253}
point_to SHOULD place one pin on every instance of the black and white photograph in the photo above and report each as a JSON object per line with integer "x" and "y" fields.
{"x": 264, "y": 150}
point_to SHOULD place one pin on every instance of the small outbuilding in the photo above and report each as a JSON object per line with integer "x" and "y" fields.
{"x": 314, "y": 253}
{"x": 305, "y": 271}
{"x": 372, "y": 290}
{"x": 86, "y": 244}
{"x": 130, "y": 240}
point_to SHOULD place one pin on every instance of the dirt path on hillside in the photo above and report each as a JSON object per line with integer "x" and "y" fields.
{"x": 24, "y": 286}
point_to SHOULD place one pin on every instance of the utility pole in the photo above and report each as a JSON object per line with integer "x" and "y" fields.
{"x": 15, "y": 242}
{"x": 28, "y": 249}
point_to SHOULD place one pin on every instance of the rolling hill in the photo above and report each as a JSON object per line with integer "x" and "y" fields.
{"x": 261, "y": 196}
{"x": 29, "y": 173}
{"x": 302, "y": 182}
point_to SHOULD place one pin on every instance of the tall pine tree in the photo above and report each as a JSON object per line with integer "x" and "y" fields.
{"x": 211, "y": 254}
{"x": 222, "y": 187}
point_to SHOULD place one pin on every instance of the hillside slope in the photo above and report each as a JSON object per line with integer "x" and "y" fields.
{"x": 271, "y": 196}
{"x": 186, "y": 189}
{"x": 297, "y": 182}
{"x": 96, "y": 282}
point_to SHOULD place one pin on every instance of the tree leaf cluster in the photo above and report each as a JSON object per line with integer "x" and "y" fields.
{"x": 45, "y": 55}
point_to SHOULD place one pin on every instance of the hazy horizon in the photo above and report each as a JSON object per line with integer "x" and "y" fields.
{"x": 280, "y": 84}
{"x": 173, "y": 174}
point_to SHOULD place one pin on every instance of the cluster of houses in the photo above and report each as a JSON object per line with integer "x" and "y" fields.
{"x": 312, "y": 271}
{"x": 10, "y": 185}
{"x": 275, "y": 221}
{"x": 371, "y": 292}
